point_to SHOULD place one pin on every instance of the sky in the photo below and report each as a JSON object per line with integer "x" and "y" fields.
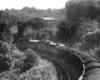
{"x": 39, "y": 4}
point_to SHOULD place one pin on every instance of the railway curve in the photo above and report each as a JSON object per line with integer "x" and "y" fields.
{"x": 64, "y": 73}
{"x": 85, "y": 65}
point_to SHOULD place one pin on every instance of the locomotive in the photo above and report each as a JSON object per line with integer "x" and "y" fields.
{"x": 24, "y": 44}
{"x": 45, "y": 46}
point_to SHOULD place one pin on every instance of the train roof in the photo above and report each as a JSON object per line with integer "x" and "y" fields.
{"x": 49, "y": 18}
{"x": 31, "y": 40}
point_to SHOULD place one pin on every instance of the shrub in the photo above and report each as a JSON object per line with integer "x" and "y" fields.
{"x": 10, "y": 75}
{"x": 27, "y": 32}
{"x": 14, "y": 29}
{"x": 91, "y": 40}
{"x": 33, "y": 67}
{"x": 43, "y": 71}
{"x": 24, "y": 60}
{"x": 39, "y": 23}
{"x": 67, "y": 31}
{"x": 5, "y": 56}
{"x": 44, "y": 34}
{"x": 63, "y": 32}
{"x": 96, "y": 52}
{"x": 30, "y": 60}
{"x": 77, "y": 9}
{"x": 87, "y": 25}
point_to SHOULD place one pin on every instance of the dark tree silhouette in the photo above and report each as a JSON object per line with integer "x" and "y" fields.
{"x": 39, "y": 23}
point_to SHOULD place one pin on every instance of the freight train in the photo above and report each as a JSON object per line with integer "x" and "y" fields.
{"x": 47, "y": 46}
{"x": 88, "y": 65}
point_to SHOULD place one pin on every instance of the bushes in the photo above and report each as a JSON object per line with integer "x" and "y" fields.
{"x": 67, "y": 30}
{"x": 42, "y": 71}
{"x": 10, "y": 75}
{"x": 87, "y": 25}
{"x": 14, "y": 29}
{"x": 83, "y": 15}
{"x": 24, "y": 60}
{"x": 29, "y": 66}
{"x": 5, "y": 56}
{"x": 64, "y": 32}
{"x": 88, "y": 33}
{"x": 39, "y": 23}
{"x": 44, "y": 34}
{"x": 77, "y": 9}
{"x": 30, "y": 60}
{"x": 91, "y": 40}
{"x": 27, "y": 32}
{"x": 96, "y": 52}
{"x": 17, "y": 65}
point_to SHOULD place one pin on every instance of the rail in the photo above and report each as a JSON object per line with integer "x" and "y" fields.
{"x": 76, "y": 58}
{"x": 64, "y": 73}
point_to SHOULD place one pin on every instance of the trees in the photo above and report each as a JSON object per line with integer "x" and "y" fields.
{"x": 82, "y": 16}
{"x": 30, "y": 66}
{"x": 39, "y": 23}
{"x": 88, "y": 26}
{"x": 91, "y": 40}
{"x": 63, "y": 31}
{"x": 77, "y": 9}
{"x": 89, "y": 33}
{"x": 66, "y": 30}
{"x": 43, "y": 70}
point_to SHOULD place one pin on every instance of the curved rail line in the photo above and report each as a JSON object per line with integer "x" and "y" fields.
{"x": 64, "y": 72}
{"x": 54, "y": 50}
{"x": 59, "y": 72}
{"x": 90, "y": 64}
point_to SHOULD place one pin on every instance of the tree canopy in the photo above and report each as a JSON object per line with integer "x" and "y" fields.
{"x": 78, "y": 9}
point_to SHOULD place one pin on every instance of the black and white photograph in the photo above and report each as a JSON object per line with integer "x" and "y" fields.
{"x": 50, "y": 40}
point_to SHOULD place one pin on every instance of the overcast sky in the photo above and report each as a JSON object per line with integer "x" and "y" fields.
{"x": 41, "y": 4}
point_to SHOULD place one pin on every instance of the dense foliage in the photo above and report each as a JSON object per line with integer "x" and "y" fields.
{"x": 78, "y": 25}
{"x": 66, "y": 30}
{"x": 27, "y": 13}
{"x": 17, "y": 65}
{"x": 82, "y": 18}
{"x": 28, "y": 65}
{"x": 77, "y": 9}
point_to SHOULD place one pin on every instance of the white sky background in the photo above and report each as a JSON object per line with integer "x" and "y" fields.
{"x": 41, "y": 4}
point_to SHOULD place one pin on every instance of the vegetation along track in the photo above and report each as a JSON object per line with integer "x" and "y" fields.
{"x": 90, "y": 63}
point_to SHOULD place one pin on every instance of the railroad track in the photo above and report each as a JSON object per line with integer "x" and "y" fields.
{"x": 59, "y": 74}
{"x": 62, "y": 71}
{"x": 62, "y": 65}
{"x": 53, "y": 50}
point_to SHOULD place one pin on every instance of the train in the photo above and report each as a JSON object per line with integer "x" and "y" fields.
{"x": 87, "y": 64}
{"x": 39, "y": 45}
